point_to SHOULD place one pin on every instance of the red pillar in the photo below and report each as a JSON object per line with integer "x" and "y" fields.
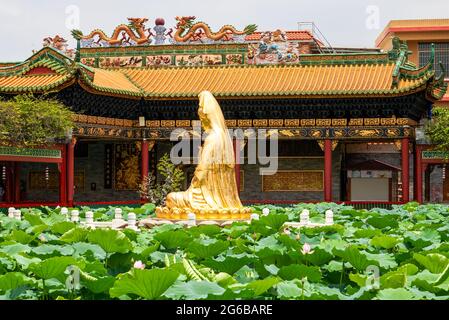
{"x": 16, "y": 182}
{"x": 405, "y": 170}
{"x": 327, "y": 170}
{"x": 237, "y": 163}
{"x": 145, "y": 160}
{"x": 418, "y": 175}
{"x": 63, "y": 177}
{"x": 70, "y": 172}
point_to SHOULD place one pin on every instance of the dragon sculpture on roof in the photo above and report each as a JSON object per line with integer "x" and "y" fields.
{"x": 189, "y": 30}
{"x": 135, "y": 31}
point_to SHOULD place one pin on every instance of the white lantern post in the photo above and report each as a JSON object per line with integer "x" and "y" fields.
{"x": 118, "y": 215}
{"x": 64, "y": 211}
{"x": 132, "y": 221}
{"x": 90, "y": 219}
{"x": 11, "y": 212}
{"x": 191, "y": 219}
{"x": 17, "y": 215}
{"x": 255, "y": 216}
{"x": 75, "y": 216}
{"x": 329, "y": 217}
{"x": 304, "y": 217}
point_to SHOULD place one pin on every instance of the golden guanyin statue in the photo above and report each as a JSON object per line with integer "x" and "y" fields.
{"x": 213, "y": 193}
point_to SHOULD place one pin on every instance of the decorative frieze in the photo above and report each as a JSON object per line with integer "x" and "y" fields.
{"x": 291, "y": 122}
{"x": 231, "y": 123}
{"x": 183, "y": 123}
{"x": 314, "y": 133}
{"x": 356, "y": 122}
{"x": 372, "y": 122}
{"x": 153, "y": 123}
{"x": 273, "y": 123}
{"x": 260, "y": 123}
{"x": 245, "y": 123}
{"x": 323, "y": 122}
{"x": 339, "y": 122}
{"x": 308, "y": 122}
{"x": 168, "y": 123}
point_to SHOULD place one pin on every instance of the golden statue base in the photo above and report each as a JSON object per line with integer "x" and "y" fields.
{"x": 221, "y": 214}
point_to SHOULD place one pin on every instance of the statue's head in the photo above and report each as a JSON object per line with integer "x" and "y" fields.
{"x": 209, "y": 112}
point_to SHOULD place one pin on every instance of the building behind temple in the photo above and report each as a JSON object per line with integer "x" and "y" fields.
{"x": 348, "y": 119}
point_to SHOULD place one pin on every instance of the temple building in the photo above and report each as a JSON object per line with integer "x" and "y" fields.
{"x": 427, "y": 39}
{"x": 347, "y": 120}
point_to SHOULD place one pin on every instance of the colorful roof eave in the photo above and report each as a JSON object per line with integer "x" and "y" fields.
{"x": 64, "y": 82}
{"x": 47, "y": 57}
{"x": 435, "y": 89}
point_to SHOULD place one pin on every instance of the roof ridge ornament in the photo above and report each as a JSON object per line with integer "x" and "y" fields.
{"x": 59, "y": 44}
{"x": 187, "y": 30}
{"x": 133, "y": 33}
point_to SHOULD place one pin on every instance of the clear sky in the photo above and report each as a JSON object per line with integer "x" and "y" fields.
{"x": 350, "y": 23}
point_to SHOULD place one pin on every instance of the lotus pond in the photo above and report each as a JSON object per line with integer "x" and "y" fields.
{"x": 397, "y": 254}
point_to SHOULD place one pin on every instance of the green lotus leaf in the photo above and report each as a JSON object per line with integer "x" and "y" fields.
{"x": 21, "y": 237}
{"x": 382, "y": 222}
{"x": 50, "y": 249}
{"x": 393, "y": 280}
{"x": 203, "y": 251}
{"x": 288, "y": 290}
{"x": 409, "y": 269}
{"x": 174, "y": 239}
{"x": 318, "y": 257}
{"x": 13, "y": 280}
{"x": 33, "y": 219}
{"x": 434, "y": 262}
{"x": 12, "y": 249}
{"x": 394, "y": 294}
{"x": 259, "y": 287}
{"x": 357, "y": 259}
{"x": 81, "y": 248}
{"x": 359, "y": 279}
{"x": 194, "y": 290}
{"x": 229, "y": 264}
{"x": 75, "y": 235}
{"x": 300, "y": 271}
{"x": 99, "y": 285}
{"x": 147, "y": 284}
{"x": 385, "y": 241}
{"x": 111, "y": 241}
{"x": 52, "y": 267}
{"x": 62, "y": 227}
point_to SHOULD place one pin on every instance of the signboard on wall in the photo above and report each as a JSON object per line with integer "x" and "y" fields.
{"x": 435, "y": 155}
{"x": 301, "y": 180}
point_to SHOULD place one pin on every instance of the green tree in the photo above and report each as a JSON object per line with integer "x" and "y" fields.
{"x": 172, "y": 176}
{"x": 27, "y": 121}
{"x": 438, "y": 129}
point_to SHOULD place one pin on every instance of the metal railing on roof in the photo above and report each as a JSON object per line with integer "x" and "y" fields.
{"x": 318, "y": 36}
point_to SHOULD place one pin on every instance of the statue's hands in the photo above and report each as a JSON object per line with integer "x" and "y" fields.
{"x": 198, "y": 178}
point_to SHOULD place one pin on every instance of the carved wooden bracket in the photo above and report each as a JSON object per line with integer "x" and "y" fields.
{"x": 334, "y": 144}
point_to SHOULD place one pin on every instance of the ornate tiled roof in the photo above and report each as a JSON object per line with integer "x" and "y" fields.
{"x": 302, "y": 35}
{"x": 258, "y": 81}
{"x": 319, "y": 75}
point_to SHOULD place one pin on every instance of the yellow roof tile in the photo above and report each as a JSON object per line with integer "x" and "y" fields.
{"x": 18, "y": 83}
{"x": 253, "y": 80}
{"x": 113, "y": 80}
